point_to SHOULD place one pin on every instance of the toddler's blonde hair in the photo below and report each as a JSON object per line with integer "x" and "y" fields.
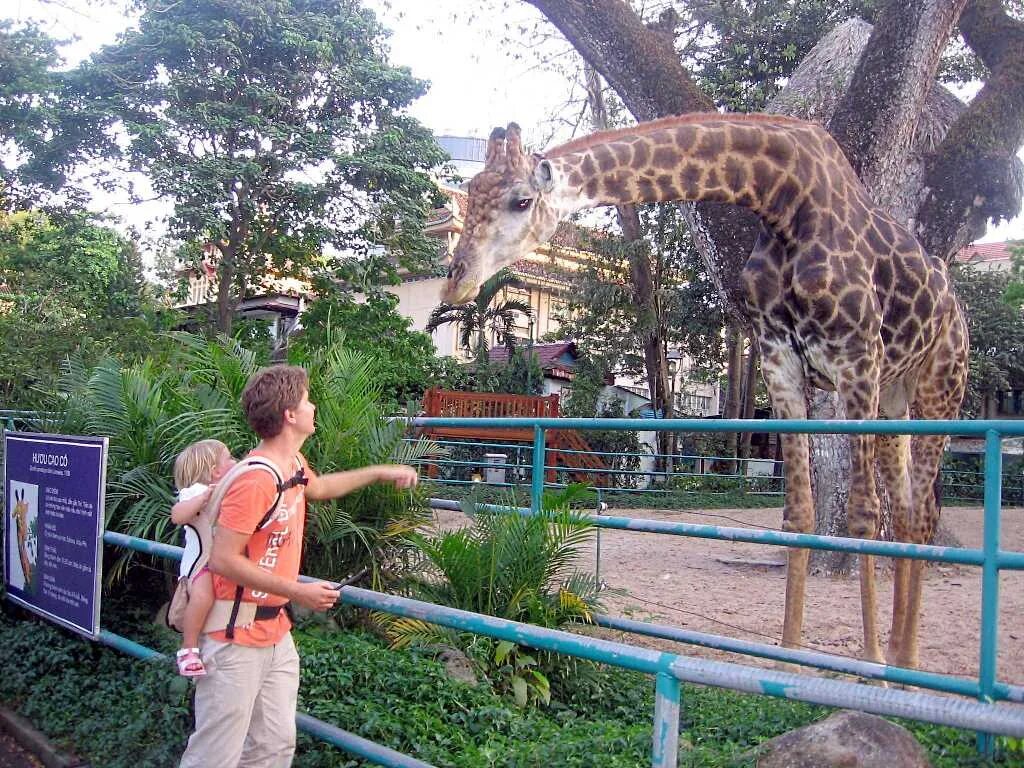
{"x": 196, "y": 463}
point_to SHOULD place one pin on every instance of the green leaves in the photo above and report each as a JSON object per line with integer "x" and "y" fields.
{"x": 69, "y": 286}
{"x": 515, "y": 567}
{"x": 276, "y": 129}
{"x": 996, "y": 329}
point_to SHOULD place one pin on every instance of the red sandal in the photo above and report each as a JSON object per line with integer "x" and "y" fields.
{"x": 190, "y": 664}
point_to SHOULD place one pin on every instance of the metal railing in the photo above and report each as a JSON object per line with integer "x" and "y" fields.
{"x": 683, "y": 473}
{"x": 987, "y": 715}
{"x": 668, "y": 669}
{"x": 990, "y": 558}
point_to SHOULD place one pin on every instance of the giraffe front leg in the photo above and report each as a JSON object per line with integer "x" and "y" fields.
{"x": 859, "y": 392}
{"x": 783, "y": 373}
{"x": 893, "y": 454}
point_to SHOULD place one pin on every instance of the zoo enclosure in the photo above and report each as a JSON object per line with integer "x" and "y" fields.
{"x": 990, "y": 558}
{"x": 670, "y": 670}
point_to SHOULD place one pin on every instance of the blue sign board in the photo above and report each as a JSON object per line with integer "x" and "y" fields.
{"x": 53, "y": 526}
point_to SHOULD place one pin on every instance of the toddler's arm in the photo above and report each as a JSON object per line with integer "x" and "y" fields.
{"x": 186, "y": 511}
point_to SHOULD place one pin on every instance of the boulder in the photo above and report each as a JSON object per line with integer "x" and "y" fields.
{"x": 457, "y": 665}
{"x": 846, "y": 739}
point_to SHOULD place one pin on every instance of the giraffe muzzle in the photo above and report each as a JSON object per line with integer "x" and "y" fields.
{"x": 460, "y": 287}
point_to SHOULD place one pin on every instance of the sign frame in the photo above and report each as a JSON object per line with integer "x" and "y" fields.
{"x": 55, "y": 463}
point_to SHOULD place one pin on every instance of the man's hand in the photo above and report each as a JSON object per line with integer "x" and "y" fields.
{"x": 398, "y": 475}
{"x": 315, "y": 595}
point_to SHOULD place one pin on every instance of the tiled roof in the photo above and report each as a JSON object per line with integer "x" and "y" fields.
{"x": 528, "y": 268}
{"x": 981, "y": 253}
{"x": 547, "y": 354}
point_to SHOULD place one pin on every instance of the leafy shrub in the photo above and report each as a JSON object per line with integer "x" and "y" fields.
{"x": 151, "y": 413}
{"x": 520, "y": 568}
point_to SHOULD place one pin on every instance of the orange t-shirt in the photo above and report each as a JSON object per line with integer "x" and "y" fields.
{"x": 277, "y": 548}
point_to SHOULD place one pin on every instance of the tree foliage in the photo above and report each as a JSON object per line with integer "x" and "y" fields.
{"x": 996, "y": 328}
{"x": 405, "y": 362}
{"x": 601, "y": 309}
{"x": 67, "y": 285}
{"x": 277, "y": 130}
{"x": 46, "y": 128}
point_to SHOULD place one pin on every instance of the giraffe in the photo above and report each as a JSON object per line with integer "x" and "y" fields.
{"x": 20, "y": 515}
{"x": 841, "y": 296}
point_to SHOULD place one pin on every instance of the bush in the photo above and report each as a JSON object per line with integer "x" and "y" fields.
{"x": 520, "y": 568}
{"x": 151, "y": 413}
{"x": 118, "y": 712}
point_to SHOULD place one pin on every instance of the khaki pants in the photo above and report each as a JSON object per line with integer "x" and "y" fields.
{"x": 245, "y": 707}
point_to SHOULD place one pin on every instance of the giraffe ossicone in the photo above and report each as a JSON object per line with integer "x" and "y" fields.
{"x": 841, "y": 295}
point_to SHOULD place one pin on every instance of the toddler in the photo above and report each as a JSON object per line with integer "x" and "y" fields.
{"x": 196, "y": 470}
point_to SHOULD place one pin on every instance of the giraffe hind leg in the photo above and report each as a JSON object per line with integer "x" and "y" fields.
{"x": 939, "y": 392}
{"x": 893, "y": 458}
{"x": 857, "y": 384}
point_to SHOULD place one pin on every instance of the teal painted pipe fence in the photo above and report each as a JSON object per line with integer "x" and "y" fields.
{"x": 958, "y": 713}
{"x": 669, "y": 670}
{"x": 980, "y": 428}
{"x": 990, "y": 557}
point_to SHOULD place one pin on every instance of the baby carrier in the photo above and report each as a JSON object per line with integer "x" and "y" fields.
{"x": 227, "y": 614}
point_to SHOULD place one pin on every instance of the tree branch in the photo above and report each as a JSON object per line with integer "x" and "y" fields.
{"x": 974, "y": 175}
{"x": 641, "y": 64}
{"x": 877, "y": 116}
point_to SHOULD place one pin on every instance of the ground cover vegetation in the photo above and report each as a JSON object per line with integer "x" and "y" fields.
{"x": 400, "y": 698}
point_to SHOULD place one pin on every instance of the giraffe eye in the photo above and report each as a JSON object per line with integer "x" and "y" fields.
{"x": 521, "y": 203}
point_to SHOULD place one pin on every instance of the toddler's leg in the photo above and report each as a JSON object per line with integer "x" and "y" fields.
{"x": 200, "y": 600}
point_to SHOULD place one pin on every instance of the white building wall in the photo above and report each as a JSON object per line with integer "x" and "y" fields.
{"x": 416, "y": 300}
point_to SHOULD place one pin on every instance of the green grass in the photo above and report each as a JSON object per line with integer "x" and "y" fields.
{"x": 96, "y": 702}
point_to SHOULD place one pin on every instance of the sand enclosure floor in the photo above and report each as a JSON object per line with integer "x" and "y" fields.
{"x": 738, "y": 590}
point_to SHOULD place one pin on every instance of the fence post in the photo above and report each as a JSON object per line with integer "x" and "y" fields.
{"x": 665, "y": 751}
{"x": 990, "y": 579}
{"x": 537, "y": 479}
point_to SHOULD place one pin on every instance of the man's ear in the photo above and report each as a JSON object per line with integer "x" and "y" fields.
{"x": 543, "y": 178}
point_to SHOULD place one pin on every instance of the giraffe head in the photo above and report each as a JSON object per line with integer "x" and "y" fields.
{"x": 20, "y": 513}
{"x": 511, "y": 211}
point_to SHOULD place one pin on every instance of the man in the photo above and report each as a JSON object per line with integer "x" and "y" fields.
{"x": 245, "y": 704}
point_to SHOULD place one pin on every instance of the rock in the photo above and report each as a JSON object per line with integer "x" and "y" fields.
{"x": 846, "y": 739}
{"x": 457, "y": 665}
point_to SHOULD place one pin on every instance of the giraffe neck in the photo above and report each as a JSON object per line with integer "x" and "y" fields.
{"x": 772, "y": 166}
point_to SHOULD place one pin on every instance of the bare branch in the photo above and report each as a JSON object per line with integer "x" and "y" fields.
{"x": 974, "y": 176}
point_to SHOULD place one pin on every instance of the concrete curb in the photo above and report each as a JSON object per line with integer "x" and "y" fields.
{"x": 22, "y": 731}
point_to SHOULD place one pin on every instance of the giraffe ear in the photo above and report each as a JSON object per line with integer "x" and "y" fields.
{"x": 543, "y": 178}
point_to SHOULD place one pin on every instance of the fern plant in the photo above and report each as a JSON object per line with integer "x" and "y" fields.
{"x": 521, "y": 568}
{"x": 151, "y": 414}
{"x": 368, "y": 528}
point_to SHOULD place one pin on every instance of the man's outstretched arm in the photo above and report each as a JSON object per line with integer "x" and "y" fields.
{"x": 336, "y": 484}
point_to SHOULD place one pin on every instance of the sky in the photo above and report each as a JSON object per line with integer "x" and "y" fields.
{"x": 476, "y": 82}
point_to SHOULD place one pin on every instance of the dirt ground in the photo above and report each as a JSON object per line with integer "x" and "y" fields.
{"x": 738, "y": 590}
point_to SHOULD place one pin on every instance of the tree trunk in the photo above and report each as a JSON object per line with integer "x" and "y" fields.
{"x": 225, "y": 278}
{"x": 830, "y": 459}
{"x": 876, "y": 118}
{"x": 747, "y": 412}
{"x": 734, "y": 387}
{"x": 974, "y": 175}
{"x": 642, "y": 284}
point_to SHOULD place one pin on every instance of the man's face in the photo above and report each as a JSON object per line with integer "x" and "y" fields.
{"x": 305, "y": 415}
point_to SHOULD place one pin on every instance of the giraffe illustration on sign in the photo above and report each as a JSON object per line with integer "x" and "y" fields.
{"x": 842, "y": 297}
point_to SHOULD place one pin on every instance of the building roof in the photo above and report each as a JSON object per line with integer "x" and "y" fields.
{"x": 986, "y": 253}
{"x": 557, "y": 360}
